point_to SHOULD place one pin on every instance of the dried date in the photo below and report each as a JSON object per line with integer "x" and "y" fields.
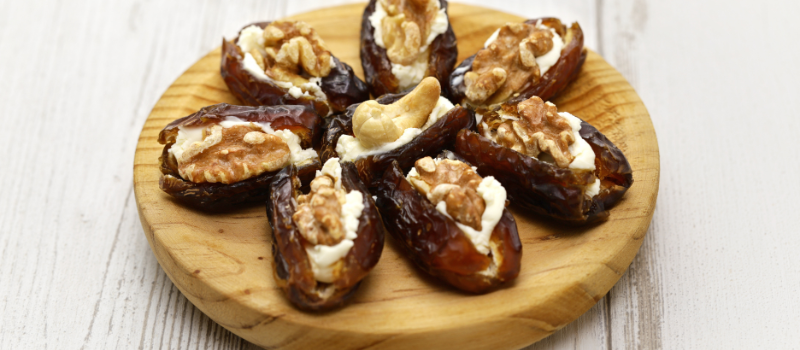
{"x": 292, "y": 267}
{"x": 378, "y": 67}
{"x": 549, "y": 85}
{"x": 437, "y": 245}
{"x": 303, "y": 121}
{"x": 341, "y": 86}
{"x": 547, "y": 189}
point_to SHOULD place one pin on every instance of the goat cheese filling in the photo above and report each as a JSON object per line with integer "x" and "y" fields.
{"x": 324, "y": 257}
{"x": 350, "y": 148}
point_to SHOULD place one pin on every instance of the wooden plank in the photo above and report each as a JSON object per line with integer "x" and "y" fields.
{"x": 75, "y": 267}
{"x": 718, "y": 268}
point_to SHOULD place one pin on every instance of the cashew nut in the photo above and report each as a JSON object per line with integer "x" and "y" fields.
{"x": 375, "y": 124}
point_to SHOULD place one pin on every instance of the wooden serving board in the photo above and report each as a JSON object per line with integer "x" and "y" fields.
{"x": 223, "y": 264}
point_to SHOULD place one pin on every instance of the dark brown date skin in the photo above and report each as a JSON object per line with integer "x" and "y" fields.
{"x": 341, "y": 86}
{"x": 554, "y": 81}
{"x": 436, "y": 244}
{"x": 292, "y": 269}
{"x": 432, "y": 140}
{"x": 301, "y": 120}
{"x": 378, "y": 68}
{"x": 546, "y": 189}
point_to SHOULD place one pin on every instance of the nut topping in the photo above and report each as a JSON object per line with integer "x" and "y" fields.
{"x": 318, "y": 213}
{"x": 229, "y": 155}
{"x": 508, "y": 63}
{"x": 406, "y": 27}
{"x": 375, "y": 124}
{"x": 456, "y": 184}
{"x": 539, "y": 129}
{"x": 292, "y": 51}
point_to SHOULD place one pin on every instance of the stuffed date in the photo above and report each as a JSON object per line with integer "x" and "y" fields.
{"x": 287, "y": 63}
{"x": 404, "y": 41}
{"x": 402, "y": 127}
{"x": 551, "y": 163}
{"x": 538, "y": 57}
{"x": 452, "y": 223}
{"x": 224, "y": 154}
{"x": 324, "y": 242}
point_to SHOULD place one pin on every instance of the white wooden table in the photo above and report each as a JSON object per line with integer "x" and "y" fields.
{"x": 719, "y": 268}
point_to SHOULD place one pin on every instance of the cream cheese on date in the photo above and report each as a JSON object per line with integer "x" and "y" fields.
{"x": 323, "y": 257}
{"x": 187, "y": 136}
{"x": 494, "y": 195}
{"x": 580, "y": 149}
{"x": 583, "y": 153}
{"x": 551, "y": 57}
{"x": 252, "y": 37}
{"x": 408, "y": 76}
{"x": 350, "y": 149}
{"x": 593, "y": 189}
{"x": 544, "y": 61}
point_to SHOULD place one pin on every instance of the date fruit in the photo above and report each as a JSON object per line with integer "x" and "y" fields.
{"x": 338, "y": 82}
{"x": 293, "y": 232}
{"x": 375, "y": 59}
{"x": 437, "y": 244}
{"x": 547, "y": 189}
{"x": 516, "y": 76}
{"x": 226, "y": 165}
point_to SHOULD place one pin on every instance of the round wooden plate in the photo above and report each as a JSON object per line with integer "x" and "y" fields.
{"x": 223, "y": 265}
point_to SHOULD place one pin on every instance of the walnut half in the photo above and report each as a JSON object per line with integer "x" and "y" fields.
{"x": 508, "y": 63}
{"x": 230, "y": 155}
{"x": 292, "y": 51}
{"x": 533, "y": 128}
{"x": 454, "y": 183}
{"x": 318, "y": 212}
{"x": 406, "y": 27}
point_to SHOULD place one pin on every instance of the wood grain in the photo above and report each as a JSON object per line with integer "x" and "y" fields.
{"x": 221, "y": 262}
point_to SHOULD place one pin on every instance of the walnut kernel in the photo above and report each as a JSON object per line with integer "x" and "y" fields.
{"x": 454, "y": 183}
{"x": 406, "y": 27}
{"x": 292, "y": 48}
{"x": 230, "y": 155}
{"x": 508, "y": 63}
{"x": 532, "y": 129}
{"x": 318, "y": 215}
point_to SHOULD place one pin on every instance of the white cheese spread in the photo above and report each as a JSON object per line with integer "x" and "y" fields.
{"x": 580, "y": 149}
{"x": 409, "y": 76}
{"x": 323, "y": 257}
{"x": 188, "y": 136}
{"x": 593, "y": 189}
{"x": 551, "y": 57}
{"x": 583, "y": 153}
{"x": 349, "y": 148}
